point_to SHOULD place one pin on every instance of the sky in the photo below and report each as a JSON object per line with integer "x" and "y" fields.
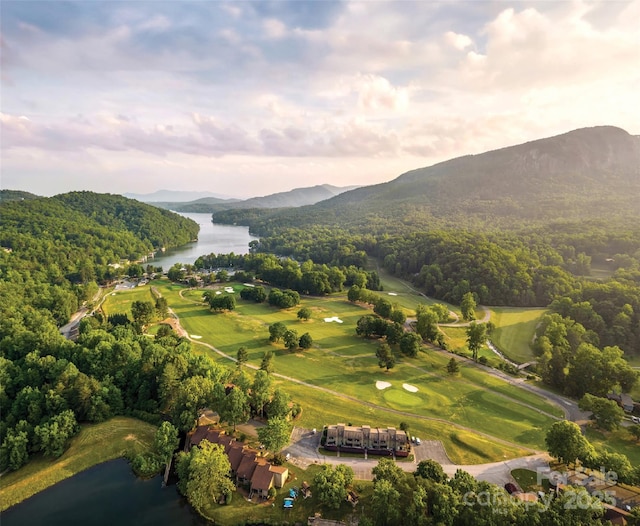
{"x": 250, "y": 98}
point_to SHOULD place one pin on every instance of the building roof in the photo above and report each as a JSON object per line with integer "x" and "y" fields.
{"x": 235, "y": 455}
{"x": 262, "y": 478}
{"x": 279, "y": 469}
{"x": 247, "y": 464}
{"x": 198, "y": 435}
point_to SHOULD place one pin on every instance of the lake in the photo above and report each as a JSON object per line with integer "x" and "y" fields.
{"x": 212, "y": 239}
{"x": 107, "y": 494}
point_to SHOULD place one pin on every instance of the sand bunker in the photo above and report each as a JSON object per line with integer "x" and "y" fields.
{"x": 382, "y": 385}
{"x": 249, "y": 285}
{"x": 195, "y": 336}
{"x": 229, "y": 290}
{"x": 392, "y": 293}
{"x": 218, "y": 293}
{"x": 410, "y": 388}
{"x": 335, "y": 318}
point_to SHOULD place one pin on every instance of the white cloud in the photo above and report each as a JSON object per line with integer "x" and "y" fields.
{"x": 457, "y": 40}
{"x": 274, "y": 28}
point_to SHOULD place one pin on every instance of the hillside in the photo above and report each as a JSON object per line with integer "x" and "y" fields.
{"x": 15, "y": 195}
{"x": 586, "y": 173}
{"x": 291, "y": 199}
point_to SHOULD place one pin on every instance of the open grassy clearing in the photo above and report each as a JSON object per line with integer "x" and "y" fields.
{"x": 619, "y": 441}
{"x": 119, "y": 302}
{"x": 407, "y": 296}
{"x": 345, "y": 363}
{"x": 94, "y": 444}
{"x": 515, "y": 328}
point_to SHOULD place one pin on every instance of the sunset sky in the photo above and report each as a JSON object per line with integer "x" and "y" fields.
{"x": 250, "y": 98}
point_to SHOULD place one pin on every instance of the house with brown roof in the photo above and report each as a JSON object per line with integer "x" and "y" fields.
{"x": 247, "y": 466}
{"x": 262, "y": 480}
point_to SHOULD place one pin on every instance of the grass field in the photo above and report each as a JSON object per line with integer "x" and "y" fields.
{"x": 119, "y": 301}
{"x": 94, "y": 444}
{"x": 345, "y": 363}
{"x": 619, "y": 441}
{"x": 514, "y": 331}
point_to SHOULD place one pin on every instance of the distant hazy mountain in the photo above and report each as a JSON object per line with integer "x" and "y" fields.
{"x": 293, "y": 198}
{"x": 586, "y": 173}
{"x": 16, "y": 195}
{"x": 177, "y": 196}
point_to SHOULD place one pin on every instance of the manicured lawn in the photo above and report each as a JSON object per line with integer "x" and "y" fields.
{"x": 345, "y": 363}
{"x": 119, "y": 301}
{"x": 94, "y": 444}
{"x": 514, "y": 332}
{"x": 405, "y": 295}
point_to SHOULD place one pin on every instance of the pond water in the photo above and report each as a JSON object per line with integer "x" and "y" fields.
{"x": 108, "y": 494}
{"x": 213, "y": 238}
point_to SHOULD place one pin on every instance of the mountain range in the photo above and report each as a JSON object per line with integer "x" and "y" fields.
{"x": 293, "y": 198}
{"x": 587, "y": 173}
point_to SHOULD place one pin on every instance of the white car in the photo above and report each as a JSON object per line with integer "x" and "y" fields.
{"x": 417, "y": 441}
{"x": 635, "y": 419}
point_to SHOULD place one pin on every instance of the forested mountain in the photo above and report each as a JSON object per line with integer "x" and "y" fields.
{"x": 586, "y": 173}
{"x": 293, "y": 198}
{"x": 54, "y": 249}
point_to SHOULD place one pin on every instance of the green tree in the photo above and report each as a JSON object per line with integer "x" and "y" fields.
{"x": 426, "y": 323}
{"x": 278, "y": 406}
{"x": 564, "y": 441}
{"x": 242, "y": 357}
{"x": 331, "y": 484}
{"x": 468, "y": 307}
{"x": 430, "y": 470}
{"x": 52, "y": 437}
{"x": 290, "y": 338}
{"x": 276, "y": 331}
{"x": 476, "y": 336}
{"x": 162, "y": 307}
{"x": 14, "y": 450}
{"x": 204, "y": 474}
{"x": 606, "y": 413}
{"x": 142, "y": 312}
{"x": 385, "y": 503}
{"x": 304, "y": 313}
{"x": 410, "y": 344}
{"x": 388, "y": 470}
{"x": 166, "y": 441}
{"x": 354, "y": 293}
{"x": 275, "y": 435}
{"x": 235, "y": 408}
{"x": 452, "y": 366}
{"x": 306, "y": 341}
{"x": 635, "y": 431}
{"x": 267, "y": 362}
{"x": 385, "y": 356}
{"x": 383, "y": 307}
{"x": 261, "y": 391}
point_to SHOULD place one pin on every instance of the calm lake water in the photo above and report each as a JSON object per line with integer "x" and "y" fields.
{"x": 108, "y": 494}
{"x": 213, "y": 238}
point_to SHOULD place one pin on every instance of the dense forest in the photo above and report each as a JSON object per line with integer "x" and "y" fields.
{"x": 55, "y": 252}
